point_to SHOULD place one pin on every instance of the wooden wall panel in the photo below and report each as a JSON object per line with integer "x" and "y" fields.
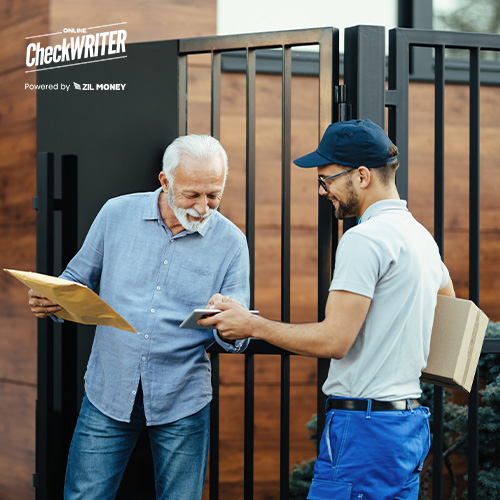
{"x": 153, "y": 20}
{"x": 17, "y": 250}
{"x": 18, "y": 326}
{"x": 18, "y": 20}
{"x": 17, "y": 152}
{"x": 17, "y": 440}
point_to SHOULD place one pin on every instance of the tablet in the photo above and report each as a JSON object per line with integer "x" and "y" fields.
{"x": 192, "y": 320}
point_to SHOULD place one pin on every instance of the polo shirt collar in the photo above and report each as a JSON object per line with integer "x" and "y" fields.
{"x": 152, "y": 212}
{"x": 382, "y": 206}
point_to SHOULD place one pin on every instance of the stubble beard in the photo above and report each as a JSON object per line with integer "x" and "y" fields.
{"x": 350, "y": 206}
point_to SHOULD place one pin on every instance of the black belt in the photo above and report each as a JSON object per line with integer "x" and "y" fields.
{"x": 362, "y": 405}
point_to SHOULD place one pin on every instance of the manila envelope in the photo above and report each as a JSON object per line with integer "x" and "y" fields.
{"x": 79, "y": 303}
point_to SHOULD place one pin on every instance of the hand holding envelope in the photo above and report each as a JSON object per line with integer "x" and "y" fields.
{"x": 79, "y": 303}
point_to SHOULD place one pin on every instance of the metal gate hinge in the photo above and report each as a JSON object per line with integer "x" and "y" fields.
{"x": 340, "y": 96}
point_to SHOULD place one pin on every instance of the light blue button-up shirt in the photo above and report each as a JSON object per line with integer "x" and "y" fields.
{"x": 154, "y": 280}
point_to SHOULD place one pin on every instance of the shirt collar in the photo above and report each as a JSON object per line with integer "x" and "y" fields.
{"x": 381, "y": 206}
{"x": 152, "y": 212}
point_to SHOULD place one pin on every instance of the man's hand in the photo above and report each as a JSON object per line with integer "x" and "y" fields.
{"x": 219, "y": 298}
{"x": 41, "y": 306}
{"x": 233, "y": 323}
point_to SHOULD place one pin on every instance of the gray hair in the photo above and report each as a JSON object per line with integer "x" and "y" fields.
{"x": 198, "y": 146}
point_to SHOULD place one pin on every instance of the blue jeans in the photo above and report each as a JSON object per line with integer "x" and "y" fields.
{"x": 371, "y": 455}
{"x": 101, "y": 448}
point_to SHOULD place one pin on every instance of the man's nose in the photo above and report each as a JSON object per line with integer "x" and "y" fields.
{"x": 202, "y": 205}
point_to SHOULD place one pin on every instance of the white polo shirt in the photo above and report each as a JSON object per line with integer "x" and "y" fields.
{"x": 394, "y": 260}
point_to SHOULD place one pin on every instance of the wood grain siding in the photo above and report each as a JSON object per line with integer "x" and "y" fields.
{"x": 151, "y": 20}
{"x": 17, "y": 150}
{"x": 17, "y": 440}
{"x": 19, "y": 20}
{"x": 17, "y": 247}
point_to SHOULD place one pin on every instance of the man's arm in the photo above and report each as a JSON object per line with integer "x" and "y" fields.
{"x": 88, "y": 259}
{"x": 345, "y": 314}
{"x": 448, "y": 290}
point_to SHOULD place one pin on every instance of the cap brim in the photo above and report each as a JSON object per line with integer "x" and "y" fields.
{"x": 313, "y": 159}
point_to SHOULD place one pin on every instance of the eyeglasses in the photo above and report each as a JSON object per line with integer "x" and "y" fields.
{"x": 322, "y": 180}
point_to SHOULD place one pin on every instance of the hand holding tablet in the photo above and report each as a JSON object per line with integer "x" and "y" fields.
{"x": 192, "y": 320}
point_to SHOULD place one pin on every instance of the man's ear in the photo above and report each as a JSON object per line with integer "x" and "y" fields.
{"x": 163, "y": 181}
{"x": 364, "y": 176}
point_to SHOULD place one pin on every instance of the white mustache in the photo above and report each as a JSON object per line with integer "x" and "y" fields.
{"x": 194, "y": 213}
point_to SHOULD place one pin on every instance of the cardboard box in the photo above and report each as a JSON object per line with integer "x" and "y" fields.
{"x": 456, "y": 342}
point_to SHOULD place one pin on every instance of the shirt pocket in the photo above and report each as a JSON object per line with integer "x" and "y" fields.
{"x": 194, "y": 284}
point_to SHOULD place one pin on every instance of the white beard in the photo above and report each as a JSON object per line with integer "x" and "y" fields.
{"x": 182, "y": 213}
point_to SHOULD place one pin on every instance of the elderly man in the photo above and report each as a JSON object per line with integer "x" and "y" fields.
{"x": 155, "y": 256}
{"x": 377, "y": 325}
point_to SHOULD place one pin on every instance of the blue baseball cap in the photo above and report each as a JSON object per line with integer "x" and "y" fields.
{"x": 351, "y": 143}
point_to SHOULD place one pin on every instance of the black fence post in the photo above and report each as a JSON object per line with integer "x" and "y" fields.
{"x": 364, "y": 77}
{"x": 56, "y": 354}
{"x": 69, "y": 337}
{"x": 43, "y": 479}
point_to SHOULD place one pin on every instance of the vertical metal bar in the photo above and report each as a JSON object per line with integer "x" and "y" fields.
{"x": 437, "y": 445}
{"x": 250, "y": 166}
{"x": 328, "y": 77}
{"x": 250, "y": 233}
{"x": 286, "y": 182}
{"x": 474, "y": 160}
{"x": 474, "y": 193}
{"x": 214, "y": 428}
{"x": 215, "y": 101}
{"x": 43, "y": 478}
{"x": 69, "y": 338}
{"x": 438, "y": 426}
{"x": 214, "y": 357}
{"x": 182, "y": 80}
{"x": 439, "y": 149}
{"x": 327, "y": 224}
{"x": 473, "y": 440}
{"x": 398, "y": 115}
{"x": 285, "y": 427}
{"x": 249, "y": 427}
{"x": 285, "y": 265}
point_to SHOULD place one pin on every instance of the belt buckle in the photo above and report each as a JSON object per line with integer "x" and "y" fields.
{"x": 350, "y": 404}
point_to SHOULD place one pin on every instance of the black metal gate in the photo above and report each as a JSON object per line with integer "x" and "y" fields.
{"x": 403, "y": 43}
{"x": 327, "y": 41}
